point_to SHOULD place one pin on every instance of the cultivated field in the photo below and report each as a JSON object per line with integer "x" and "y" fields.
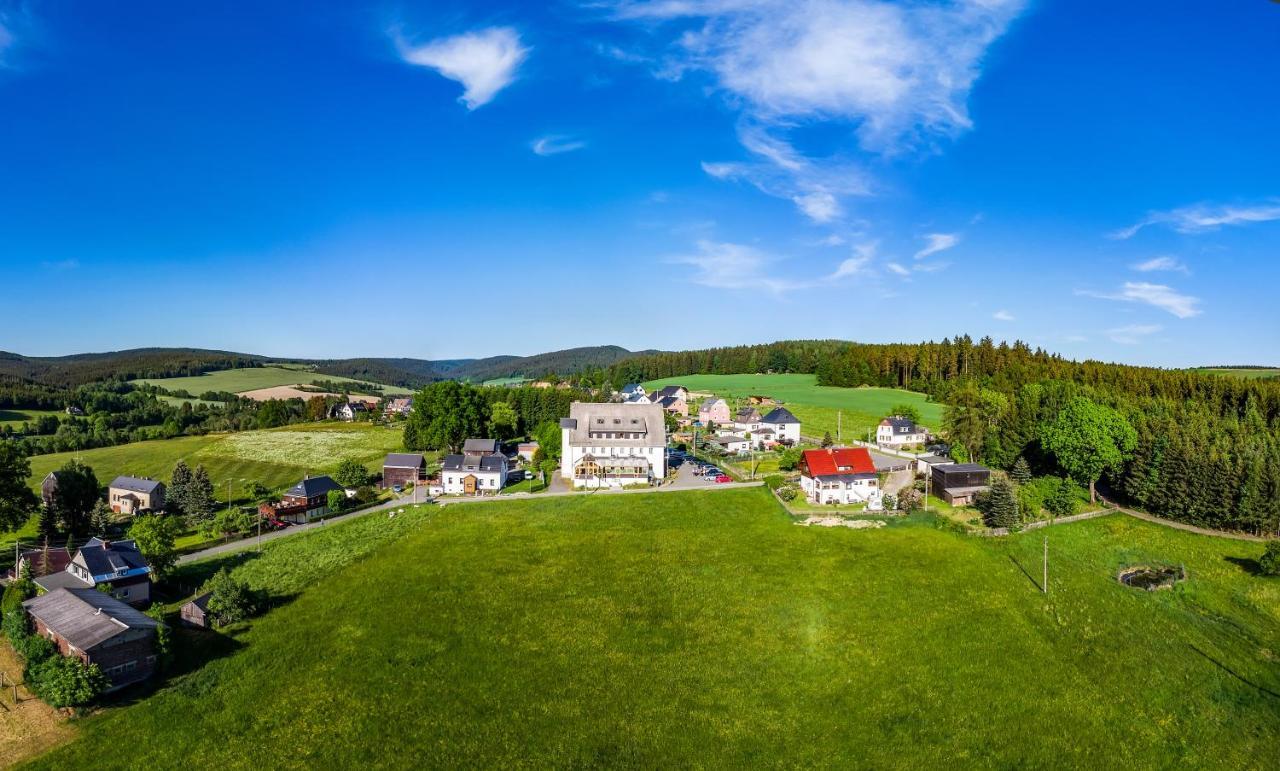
{"x": 277, "y": 458}
{"x": 14, "y": 418}
{"x": 705, "y": 629}
{"x": 251, "y": 378}
{"x": 1248, "y": 373}
{"x": 816, "y": 406}
{"x": 293, "y": 392}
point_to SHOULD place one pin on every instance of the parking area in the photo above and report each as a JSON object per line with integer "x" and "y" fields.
{"x": 684, "y": 477}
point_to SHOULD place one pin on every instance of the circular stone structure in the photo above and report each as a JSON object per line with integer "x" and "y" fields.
{"x": 1151, "y": 578}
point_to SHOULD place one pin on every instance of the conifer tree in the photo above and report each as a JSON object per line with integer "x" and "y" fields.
{"x": 1021, "y": 471}
{"x": 1002, "y": 504}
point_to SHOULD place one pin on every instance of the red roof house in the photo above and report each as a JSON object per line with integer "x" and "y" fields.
{"x": 838, "y": 475}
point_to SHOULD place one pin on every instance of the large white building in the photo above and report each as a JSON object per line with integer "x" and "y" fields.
{"x": 613, "y": 445}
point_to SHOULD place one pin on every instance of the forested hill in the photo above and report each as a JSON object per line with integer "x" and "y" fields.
{"x": 1206, "y": 450}
{"x": 81, "y": 368}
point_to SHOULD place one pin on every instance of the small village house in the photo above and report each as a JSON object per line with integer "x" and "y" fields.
{"x": 404, "y": 469}
{"x": 732, "y": 444}
{"x": 784, "y": 425}
{"x": 131, "y": 495}
{"x": 959, "y": 483}
{"x": 839, "y": 475}
{"x": 399, "y": 406}
{"x": 41, "y": 562}
{"x": 118, "y": 565}
{"x": 897, "y": 431}
{"x": 672, "y": 392}
{"x": 303, "y": 502}
{"x": 713, "y": 410}
{"x": 471, "y": 473}
{"x": 97, "y": 629}
{"x": 925, "y": 463}
{"x": 349, "y": 410}
{"x": 526, "y": 451}
{"x": 746, "y": 419}
{"x": 673, "y": 404}
{"x": 613, "y": 445}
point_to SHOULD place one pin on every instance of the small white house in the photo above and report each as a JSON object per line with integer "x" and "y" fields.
{"x": 632, "y": 389}
{"x": 898, "y": 431}
{"x": 840, "y": 475}
{"x": 473, "y": 474}
{"x": 732, "y": 444}
{"x": 785, "y": 426}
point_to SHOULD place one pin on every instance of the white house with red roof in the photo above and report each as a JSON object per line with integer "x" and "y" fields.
{"x": 839, "y": 475}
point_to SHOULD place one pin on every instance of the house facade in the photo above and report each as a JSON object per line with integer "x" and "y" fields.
{"x": 349, "y": 411}
{"x": 959, "y": 483}
{"x": 840, "y": 475}
{"x": 303, "y": 502}
{"x": 732, "y": 444}
{"x": 613, "y": 445}
{"x": 399, "y": 406}
{"x": 784, "y": 425}
{"x": 630, "y": 390}
{"x": 403, "y": 468}
{"x": 714, "y": 410}
{"x": 526, "y": 451}
{"x": 898, "y": 431}
{"x": 474, "y": 474}
{"x": 97, "y": 629}
{"x": 131, "y": 495}
{"x": 119, "y": 565}
{"x": 195, "y": 614}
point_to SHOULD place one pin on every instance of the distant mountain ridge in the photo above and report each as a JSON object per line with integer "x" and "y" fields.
{"x": 79, "y": 369}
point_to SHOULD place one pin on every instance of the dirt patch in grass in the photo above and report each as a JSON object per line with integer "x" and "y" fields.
{"x": 28, "y": 727}
{"x": 294, "y": 392}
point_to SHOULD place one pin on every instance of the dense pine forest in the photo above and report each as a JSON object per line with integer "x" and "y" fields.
{"x": 1207, "y": 448}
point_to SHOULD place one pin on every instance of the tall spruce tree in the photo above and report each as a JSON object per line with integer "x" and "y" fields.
{"x": 1002, "y": 504}
{"x": 179, "y": 488}
{"x": 1021, "y": 471}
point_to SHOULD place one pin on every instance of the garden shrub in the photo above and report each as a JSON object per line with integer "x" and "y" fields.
{"x": 1270, "y": 562}
{"x": 774, "y": 481}
{"x": 64, "y": 681}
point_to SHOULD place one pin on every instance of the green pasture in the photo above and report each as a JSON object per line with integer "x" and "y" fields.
{"x": 250, "y": 379}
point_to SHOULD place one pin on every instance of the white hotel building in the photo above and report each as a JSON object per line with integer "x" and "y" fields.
{"x": 613, "y": 445}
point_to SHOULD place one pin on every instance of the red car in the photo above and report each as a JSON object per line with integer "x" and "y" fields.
{"x": 723, "y": 478}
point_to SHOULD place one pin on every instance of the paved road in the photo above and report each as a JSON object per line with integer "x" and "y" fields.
{"x": 247, "y": 543}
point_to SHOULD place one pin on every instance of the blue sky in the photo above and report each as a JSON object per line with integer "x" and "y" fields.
{"x": 454, "y": 179}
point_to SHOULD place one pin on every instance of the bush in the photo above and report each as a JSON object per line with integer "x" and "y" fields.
{"x": 1061, "y": 500}
{"x": 774, "y": 481}
{"x": 788, "y": 493}
{"x": 63, "y": 681}
{"x": 230, "y": 600}
{"x": 15, "y": 594}
{"x": 1270, "y": 562}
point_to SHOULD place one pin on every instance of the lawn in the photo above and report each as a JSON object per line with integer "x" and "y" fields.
{"x": 277, "y": 457}
{"x": 816, "y": 406}
{"x": 15, "y": 417}
{"x": 705, "y": 629}
{"x": 251, "y": 378}
{"x": 1248, "y": 373}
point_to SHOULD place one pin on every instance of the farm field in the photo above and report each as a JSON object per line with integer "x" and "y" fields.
{"x": 15, "y": 417}
{"x": 251, "y": 378}
{"x": 816, "y": 406}
{"x": 276, "y": 457}
{"x": 704, "y": 628}
{"x": 1248, "y": 373}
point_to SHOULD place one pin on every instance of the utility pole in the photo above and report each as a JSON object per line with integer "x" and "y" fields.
{"x": 1045, "y": 586}
{"x": 839, "y": 414}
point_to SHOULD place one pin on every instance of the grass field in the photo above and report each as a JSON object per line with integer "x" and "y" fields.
{"x": 251, "y": 378}
{"x": 1243, "y": 372}
{"x": 816, "y": 406}
{"x": 277, "y": 458}
{"x": 704, "y": 629}
{"x": 14, "y": 418}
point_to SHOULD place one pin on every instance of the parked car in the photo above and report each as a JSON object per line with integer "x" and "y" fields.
{"x": 721, "y": 479}
{"x": 398, "y": 488}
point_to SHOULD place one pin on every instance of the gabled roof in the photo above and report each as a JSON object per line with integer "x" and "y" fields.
{"x": 900, "y": 425}
{"x": 667, "y": 402}
{"x": 838, "y": 461}
{"x": 747, "y": 415}
{"x": 135, "y": 485}
{"x": 112, "y": 558}
{"x": 644, "y": 425}
{"x": 313, "y": 486}
{"x": 404, "y": 460}
{"x": 86, "y": 617}
{"x": 472, "y": 462}
{"x": 481, "y": 445}
{"x": 709, "y": 403}
{"x": 671, "y": 390}
{"x": 632, "y": 388}
{"x": 779, "y": 416}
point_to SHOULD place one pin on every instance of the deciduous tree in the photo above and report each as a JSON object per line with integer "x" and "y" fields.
{"x": 155, "y": 535}
{"x": 17, "y": 502}
{"x": 1089, "y": 439}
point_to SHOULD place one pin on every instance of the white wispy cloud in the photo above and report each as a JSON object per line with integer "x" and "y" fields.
{"x": 1163, "y": 263}
{"x": 1200, "y": 218}
{"x": 724, "y": 265}
{"x": 1002, "y": 315}
{"x": 900, "y": 73}
{"x": 896, "y": 268}
{"x": 937, "y": 242}
{"x": 1157, "y": 295}
{"x": 1132, "y": 334}
{"x": 554, "y": 144}
{"x": 484, "y": 61}
{"x": 859, "y": 263}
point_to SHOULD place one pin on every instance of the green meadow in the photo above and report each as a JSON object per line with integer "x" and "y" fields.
{"x": 251, "y": 379}
{"x": 705, "y": 629}
{"x": 276, "y": 457}
{"x": 1248, "y": 373}
{"x": 15, "y": 417}
{"x": 860, "y": 409}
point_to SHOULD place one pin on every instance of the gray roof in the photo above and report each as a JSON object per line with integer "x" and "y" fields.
{"x": 136, "y": 485}
{"x": 481, "y": 445}
{"x": 632, "y": 387}
{"x": 935, "y": 460}
{"x": 108, "y": 558}
{"x": 568, "y": 423}
{"x": 86, "y": 617}
{"x": 474, "y": 462}
{"x": 201, "y": 602}
{"x": 901, "y": 425}
{"x": 61, "y": 580}
{"x": 313, "y": 486}
{"x": 648, "y": 420}
{"x": 709, "y": 403}
{"x": 671, "y": 390}
{"x": 780, "y": 415}
{"x": 962, "y": 468}
{"x": 403, "y": 460}
{"x": 727, "y": 440}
